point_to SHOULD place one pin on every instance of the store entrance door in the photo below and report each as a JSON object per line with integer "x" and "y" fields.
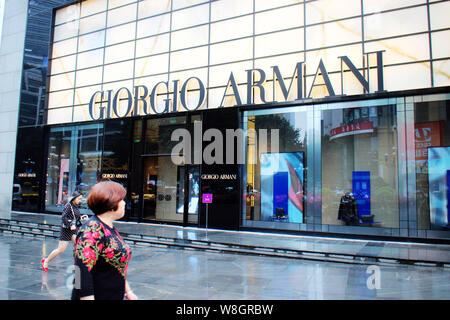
{"x": 164, "y": 191}
{"x": 160, "y": 189}
{"x": 188, "y": 199}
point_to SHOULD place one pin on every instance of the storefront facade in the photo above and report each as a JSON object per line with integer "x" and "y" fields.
{"x": 294, "y": 115}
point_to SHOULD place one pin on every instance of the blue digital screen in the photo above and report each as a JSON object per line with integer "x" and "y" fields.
{"x": 361, "y": 191}
{"x": 438, "y": 180}
{"x": 282, "y": 193}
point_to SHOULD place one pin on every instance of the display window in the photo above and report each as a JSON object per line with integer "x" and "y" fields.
{"x": 359, "y": 166}
{"x": 73, "y": 164}
{"x": 276, "y": 165}
{"x": 432, "y": 164}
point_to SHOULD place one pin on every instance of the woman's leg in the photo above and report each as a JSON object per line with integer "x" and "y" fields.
{"x": 62, "y": 245}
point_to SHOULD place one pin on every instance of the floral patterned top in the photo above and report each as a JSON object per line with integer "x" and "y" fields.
{"x": 101, "y": 260}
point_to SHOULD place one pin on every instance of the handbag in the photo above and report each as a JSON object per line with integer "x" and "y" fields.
{"x": 77, "y": 222}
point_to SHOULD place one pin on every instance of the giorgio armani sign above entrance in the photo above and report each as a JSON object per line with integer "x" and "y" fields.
{"x": 190, "y": 94}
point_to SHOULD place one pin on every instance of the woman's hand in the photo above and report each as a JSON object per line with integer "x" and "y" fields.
{"x": 73, "y": 228}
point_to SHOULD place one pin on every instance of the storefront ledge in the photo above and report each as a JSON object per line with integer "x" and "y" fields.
{"x": 254, "y": 243}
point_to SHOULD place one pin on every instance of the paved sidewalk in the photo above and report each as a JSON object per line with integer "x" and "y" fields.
{"x": 171, "y": 274}
{"x": 307, "y": 247}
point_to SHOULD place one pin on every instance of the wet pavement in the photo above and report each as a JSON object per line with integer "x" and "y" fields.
{"x": 169, "y": 274}
{"x": 306, "y": 247}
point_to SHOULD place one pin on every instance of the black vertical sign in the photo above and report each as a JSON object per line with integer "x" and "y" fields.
{"x": 222, "y": 179}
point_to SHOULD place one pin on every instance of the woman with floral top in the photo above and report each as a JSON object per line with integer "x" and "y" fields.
{"x": 101, "y": 255}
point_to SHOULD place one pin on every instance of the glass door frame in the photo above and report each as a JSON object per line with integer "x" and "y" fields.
{"x": 140, "y": 214}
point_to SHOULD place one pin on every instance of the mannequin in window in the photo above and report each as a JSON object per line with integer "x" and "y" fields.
{"x": 348, "y": 210}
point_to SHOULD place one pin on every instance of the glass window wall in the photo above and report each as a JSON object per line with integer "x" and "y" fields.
{"x": 359, "y": 165}
{"x": 277, "y": 162}
{"x": 74, "y": 156}
{"x": 432, "y": 163}
{"x": 202, "y": 34}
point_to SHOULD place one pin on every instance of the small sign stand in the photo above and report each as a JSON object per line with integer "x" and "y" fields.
{"x": 207, "y": 199}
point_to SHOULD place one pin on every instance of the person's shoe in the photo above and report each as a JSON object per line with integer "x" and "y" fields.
{"x": 44, "y": 268}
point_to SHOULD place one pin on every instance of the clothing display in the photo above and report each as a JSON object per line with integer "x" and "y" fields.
{"x": 102, "y": 257}
{"x": 348, "y": 210}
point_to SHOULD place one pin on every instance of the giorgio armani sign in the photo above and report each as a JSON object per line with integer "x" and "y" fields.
{"x": 143, "y": 100}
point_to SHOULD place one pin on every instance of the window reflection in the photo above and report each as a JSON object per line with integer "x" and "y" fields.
{"x": 73, "y": 163}
{"x": 158, "y": 133}
{"x": 276, "y": 188}
{"x": 359, "y": 167}
{"x": 432, "y": 159}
